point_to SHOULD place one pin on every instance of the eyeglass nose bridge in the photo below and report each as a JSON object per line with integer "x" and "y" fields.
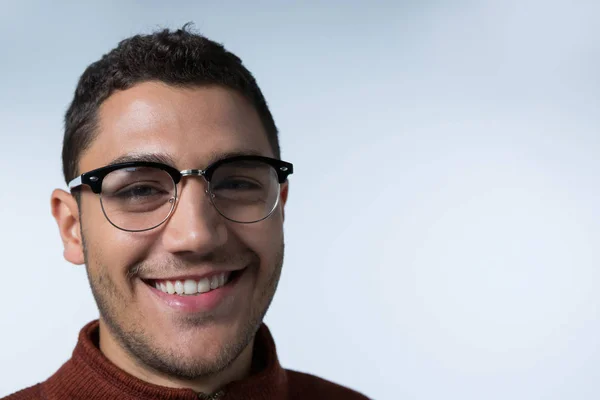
{"x": 193, "y": 172}
{"x": 196, "y": 172}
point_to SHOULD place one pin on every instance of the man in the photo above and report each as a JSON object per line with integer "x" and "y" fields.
{"x": 176, "y": 206}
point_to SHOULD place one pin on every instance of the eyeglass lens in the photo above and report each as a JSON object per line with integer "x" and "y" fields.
{"x": 141, "y": 198}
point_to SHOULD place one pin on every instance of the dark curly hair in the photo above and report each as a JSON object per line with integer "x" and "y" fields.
{"x": 179, "y": 58}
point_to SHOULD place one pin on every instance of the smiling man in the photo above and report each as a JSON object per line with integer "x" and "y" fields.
{"x": 176, "y": 207}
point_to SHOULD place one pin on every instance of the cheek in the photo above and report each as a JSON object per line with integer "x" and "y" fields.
{"x": 265, "y": 238}
{"x": 111, "y": 251}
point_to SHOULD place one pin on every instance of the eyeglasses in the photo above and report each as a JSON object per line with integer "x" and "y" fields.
{"x": 139, "y": 196}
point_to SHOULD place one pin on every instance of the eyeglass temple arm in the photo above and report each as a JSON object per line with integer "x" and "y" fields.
{"x": 75, "y": 183}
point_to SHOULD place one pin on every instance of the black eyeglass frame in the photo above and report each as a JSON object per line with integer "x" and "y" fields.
{"x": 94, "y": 178}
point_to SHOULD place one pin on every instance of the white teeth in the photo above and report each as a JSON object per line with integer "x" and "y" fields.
{"x": 170, "y": 287}
{"x": 178, "y": 287}
{"x": 215, "y": 281}
{"x": 190, "y": 287}
{"x": 204, "y": 285}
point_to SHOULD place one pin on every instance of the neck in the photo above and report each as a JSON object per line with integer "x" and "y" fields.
{"x": 237, "y": 370}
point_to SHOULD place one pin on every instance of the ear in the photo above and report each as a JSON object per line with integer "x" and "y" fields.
{"x": 66, "y": 213}
{"x": 285, "y": 187}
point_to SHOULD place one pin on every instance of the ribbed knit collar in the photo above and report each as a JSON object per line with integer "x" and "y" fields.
{"x": 90, "y": 375}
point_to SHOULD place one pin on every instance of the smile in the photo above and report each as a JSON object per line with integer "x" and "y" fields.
{"x": 190, "y": 287}
{"x": 198, "y": 293}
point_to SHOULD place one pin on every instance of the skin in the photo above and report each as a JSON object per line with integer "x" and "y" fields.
{"x": 194, "y": 127}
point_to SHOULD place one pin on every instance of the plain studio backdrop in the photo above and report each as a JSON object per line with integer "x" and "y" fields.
{"x": 442, "y": 229}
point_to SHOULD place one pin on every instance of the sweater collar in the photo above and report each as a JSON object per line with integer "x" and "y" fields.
{"x": 89, "y": 374}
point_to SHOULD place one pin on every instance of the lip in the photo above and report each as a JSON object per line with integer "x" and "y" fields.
{"x": 198, "y": 303}
{"x": 194, "y": 276}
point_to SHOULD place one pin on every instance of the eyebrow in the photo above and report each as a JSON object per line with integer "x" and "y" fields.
{"x": 165, "y": 158}
{"x": 162, "y": 158}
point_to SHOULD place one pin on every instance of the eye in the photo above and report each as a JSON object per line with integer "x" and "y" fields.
{"x": 237, "y": 184}
{"x": 139, "y": 191}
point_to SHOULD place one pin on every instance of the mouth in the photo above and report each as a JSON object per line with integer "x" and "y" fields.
{"x": 224, "y": 291}
{"x": 193, "y": 286}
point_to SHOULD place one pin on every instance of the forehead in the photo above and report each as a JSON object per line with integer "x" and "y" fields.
{"x": 192, "y": 125}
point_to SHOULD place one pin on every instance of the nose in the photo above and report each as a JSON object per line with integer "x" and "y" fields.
{"x": 195, "y": 227}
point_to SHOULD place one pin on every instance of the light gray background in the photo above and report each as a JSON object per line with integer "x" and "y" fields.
{"x": 443, "y": 225}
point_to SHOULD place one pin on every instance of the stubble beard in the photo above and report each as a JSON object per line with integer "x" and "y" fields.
{"x": 133, "y": 338}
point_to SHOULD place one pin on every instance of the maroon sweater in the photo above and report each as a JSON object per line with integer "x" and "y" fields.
{"x": 90, "y": 375}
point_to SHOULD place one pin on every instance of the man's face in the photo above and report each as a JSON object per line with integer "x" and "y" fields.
{"x": 194, "y": 127}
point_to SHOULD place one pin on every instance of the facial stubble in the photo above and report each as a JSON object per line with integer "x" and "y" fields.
{"x": 132, "y": 337}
